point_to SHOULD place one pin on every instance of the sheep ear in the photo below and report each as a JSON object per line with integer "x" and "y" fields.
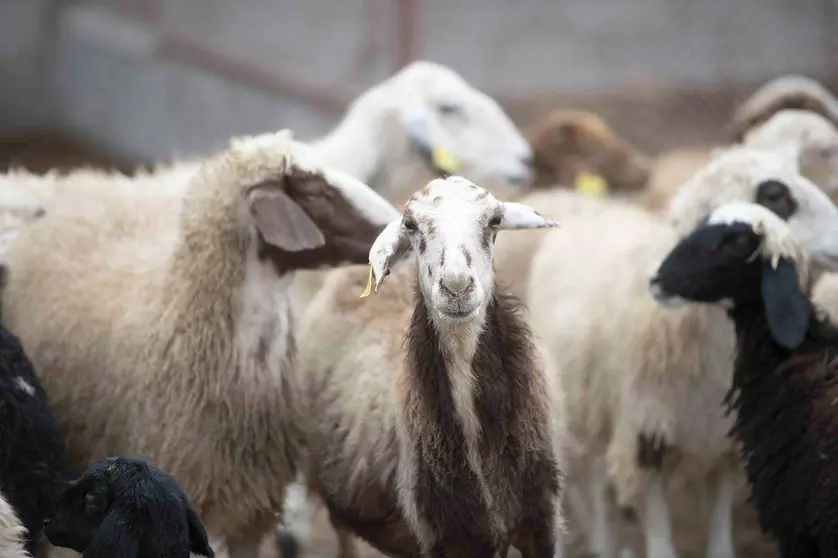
{"x": 786, "y": 307}
{"x": 283, "y": 223}
{"x": 113, "y": 540}
{"x": 198, "y": 540}
{"x": 517, "y": 216}
{"x": 389, "y": 245}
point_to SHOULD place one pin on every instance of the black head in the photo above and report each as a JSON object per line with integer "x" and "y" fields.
{"x": 724, "y": 262}
{"x": 126, "y": 507}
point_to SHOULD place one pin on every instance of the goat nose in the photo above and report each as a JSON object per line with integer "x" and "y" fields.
{"x": 457, "y": 284}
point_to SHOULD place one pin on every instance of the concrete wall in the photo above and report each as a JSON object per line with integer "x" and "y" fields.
{"x": 107, "y": 80}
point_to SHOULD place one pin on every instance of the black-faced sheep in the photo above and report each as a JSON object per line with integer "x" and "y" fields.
{"x": 168, "y": 333}
{"x": 785, "y": 382}
{"x": 644, "y": 387}
{"x": 33, "y": 464}
{"x": 570, "y": 146}
{"x": 431, "y": 426}
{"x": 124, "y": 507}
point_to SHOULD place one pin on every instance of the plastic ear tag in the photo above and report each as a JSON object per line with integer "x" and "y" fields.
{"x": 445, "y": 160}
{"x": 368, "y": 291}
{"x": 591, "y": 184}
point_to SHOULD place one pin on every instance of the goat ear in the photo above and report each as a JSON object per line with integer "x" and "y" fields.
{"x": 515, "y": 216}
{"x": 786, "y": 307}
{"x": 389, "y": 245}
{"x": 113, "y": 540}
{"x": 198, "y": 540}
{"x": 283, "y": 223}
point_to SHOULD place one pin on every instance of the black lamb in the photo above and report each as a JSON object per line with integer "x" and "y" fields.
{"x": 32, "y": 459}
{"x": 124, "y": 507}
{"x": 785, "y": 383}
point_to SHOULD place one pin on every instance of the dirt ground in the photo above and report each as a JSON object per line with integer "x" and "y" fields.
{"x": 689, "y": 528}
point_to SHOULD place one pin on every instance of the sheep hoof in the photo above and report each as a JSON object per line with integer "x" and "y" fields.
{"x": 287, "y": 544}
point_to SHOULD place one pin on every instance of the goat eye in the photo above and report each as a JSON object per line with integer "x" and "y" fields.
{"x": 409, "y": 225}
{"x": 90, "y": 500}
{"x": 448, "y": 108}
{"x": 495, "y": 221}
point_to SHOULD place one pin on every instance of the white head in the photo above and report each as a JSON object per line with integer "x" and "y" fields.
{"x": 809, "y": 138}
{"x": 454, "y": 127}
{"x": 451, "y": 225}
{"x": 745, "y": 174}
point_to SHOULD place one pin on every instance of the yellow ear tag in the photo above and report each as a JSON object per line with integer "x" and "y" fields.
{"x": 445, "y": 160}
{"x": 368, "y": 291}
{"x": 591, "y": 184}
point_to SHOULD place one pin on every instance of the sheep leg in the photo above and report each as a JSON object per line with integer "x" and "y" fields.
{"x": 347, "y": 547}
{"x": 295, "y": 528}
{"x": 244, "y": 547}
{"x": 723, "y": 483}
{"x": 578, "y": 505}
{"x": 656, "y": 526}
{"x": 602, "y": 540}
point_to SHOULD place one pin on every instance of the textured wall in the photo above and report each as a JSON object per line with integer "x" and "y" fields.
{"x": 107, "y": 83}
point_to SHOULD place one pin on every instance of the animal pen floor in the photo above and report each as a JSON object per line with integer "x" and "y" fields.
{"x": 690, "y": 528}
{"x": 656, "y": 123}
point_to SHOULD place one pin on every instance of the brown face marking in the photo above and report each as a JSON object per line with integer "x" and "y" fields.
{"x": 349, "y": 234}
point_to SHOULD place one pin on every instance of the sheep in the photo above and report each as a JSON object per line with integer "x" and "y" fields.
{"x": 386, "y": 443}
{"x": 124, "y": 506}
{"x": 747, "y": 260}
{"x": 422, "y": 122}
{"x": 12, "y": 532}
{"x": 642, "y": 384}
{"x": 167, "y": 333}
{"x": 32, "y": 460}
{"x": 674, "y": 167}
{"x": 808, "y": 139}
{"x": 570, "y": 146}
{"x": 786, "y": 92}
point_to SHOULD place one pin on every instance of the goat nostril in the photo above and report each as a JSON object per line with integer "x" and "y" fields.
{"x": 457, "y": 286}
{"x": 46, "y": 521}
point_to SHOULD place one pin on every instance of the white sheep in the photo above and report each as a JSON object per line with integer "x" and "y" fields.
{"x": 430, "y": 423}
{"x": 423, "y": 121}
{"x": 808, "y": 141}
{"x": 791, "y": 92}
{"x": 12, "y": 532}
{"x": 160, "y": 324}
{"x": 644, "y": 386}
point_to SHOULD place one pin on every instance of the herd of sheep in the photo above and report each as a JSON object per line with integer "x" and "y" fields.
{"x": 215, "y": 347}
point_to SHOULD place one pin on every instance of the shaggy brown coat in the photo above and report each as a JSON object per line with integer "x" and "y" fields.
{"x": 354, "y": 441}
{"x": 570, "y": 142}
{"x": 160, "y": 324}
